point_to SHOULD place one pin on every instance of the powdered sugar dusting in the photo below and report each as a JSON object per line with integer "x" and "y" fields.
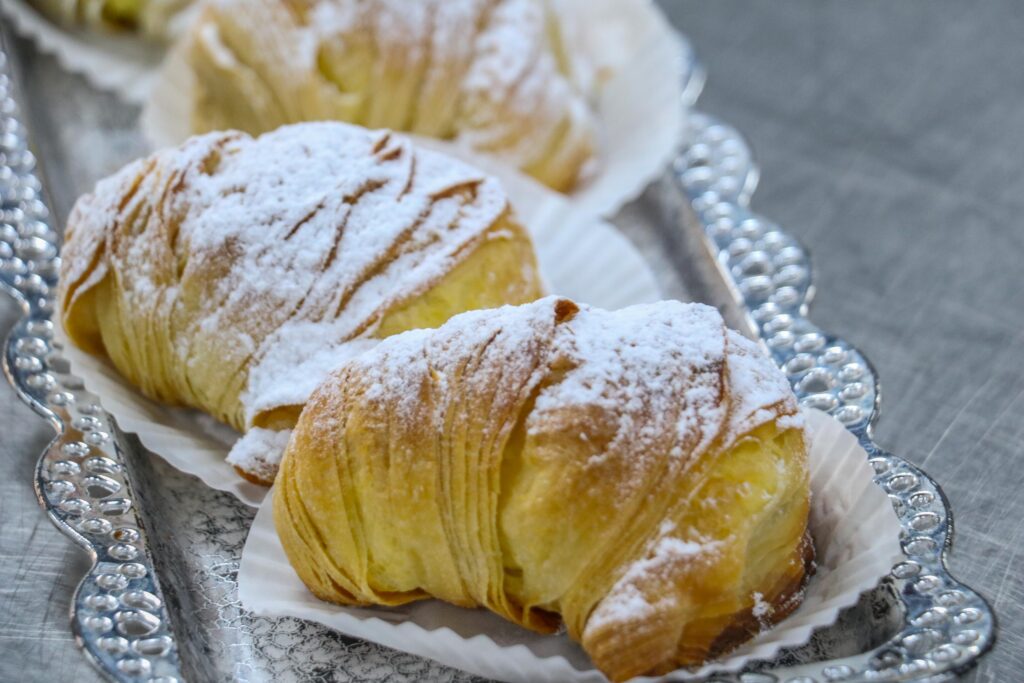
{"x": 85, "y": 236}
{"x": 654, "y": 369}
{"x": 298, "y": 360}
{"x": 757, "y": 392}
{"x": 626, "y": 602}
{"x": 761, "y": 392}
{"x": 761, "y": 608}
{"x": 397, "y": 367}
{"x": 287, "y": 245}
{"x": 498, "y": 76}
{"x": 669, "y": 376}
{"x": 259, "y": 449}
{"x": 644, "y": 391}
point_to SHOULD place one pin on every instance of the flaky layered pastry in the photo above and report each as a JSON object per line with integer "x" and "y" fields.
{"x": 225, "y": 274}
{"x": 151, "y": 18}
{"x": 640, "y": 476}
{"x": 497, "y": 76}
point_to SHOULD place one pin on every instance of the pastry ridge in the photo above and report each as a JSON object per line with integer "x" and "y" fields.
{"x": 638, "y": 475}
{"x": 227, "y": 274}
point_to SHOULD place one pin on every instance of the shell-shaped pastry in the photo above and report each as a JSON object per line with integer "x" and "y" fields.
{"x": 225, "y": 274}
{"x": 639, "y": 475}
{"x": 497, "y": 76}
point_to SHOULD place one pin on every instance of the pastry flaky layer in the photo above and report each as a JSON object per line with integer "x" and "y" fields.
{"x": 226, "y": 274}
{"x": 152, "y": 18}
{"x": 638, "y": 475}
{"x": 497, "y": 76}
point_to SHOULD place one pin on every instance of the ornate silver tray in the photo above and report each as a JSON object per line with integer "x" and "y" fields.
{"x": 160, "y": 602}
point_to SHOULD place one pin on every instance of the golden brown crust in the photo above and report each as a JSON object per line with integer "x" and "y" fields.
{"x": 780, "y": 601}
{"x": 639, "y": 474}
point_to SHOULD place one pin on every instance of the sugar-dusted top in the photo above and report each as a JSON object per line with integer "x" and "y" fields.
{"x": 641, "y": 366}
{"x": 616, "y": 409}
{"x": 283, "y": 246}
{"x": 501, "y": 77}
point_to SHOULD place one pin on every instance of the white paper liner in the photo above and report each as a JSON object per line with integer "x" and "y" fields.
{"x": 855, "y": 529}
{"x": 640, "y": 109}
{"x": 580, "y": 257}
{"x": 124, "y": 64}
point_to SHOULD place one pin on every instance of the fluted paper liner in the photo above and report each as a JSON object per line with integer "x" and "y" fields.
{"x": 640, "y": 109}
{"x": 855, "y": 530}
{"x": 580, "y": 257}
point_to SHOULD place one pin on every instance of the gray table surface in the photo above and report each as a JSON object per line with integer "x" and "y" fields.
{"x": 891, "y": 138}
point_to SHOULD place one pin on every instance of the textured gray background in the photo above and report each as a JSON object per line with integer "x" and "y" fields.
{"x": 891, "y": 138}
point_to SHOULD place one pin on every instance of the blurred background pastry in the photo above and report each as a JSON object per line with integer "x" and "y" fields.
{"x": 150, "y": 18}
{"x": 499, "y": 77}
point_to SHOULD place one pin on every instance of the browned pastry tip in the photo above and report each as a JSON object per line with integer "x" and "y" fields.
{"x": 254, "y": 478}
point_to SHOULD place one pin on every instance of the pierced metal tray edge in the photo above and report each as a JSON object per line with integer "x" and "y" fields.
{"x": 118, "y": 616}
{"x": 118, "y": 612}
{"x": 767, "y": 276}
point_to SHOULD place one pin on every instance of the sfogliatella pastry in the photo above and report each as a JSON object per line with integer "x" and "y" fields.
{"x": 226, "y": 274}
{"x": 639, "y": 475}
{"x": 498, "y": 76}
{"x": 152, "y": 18}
